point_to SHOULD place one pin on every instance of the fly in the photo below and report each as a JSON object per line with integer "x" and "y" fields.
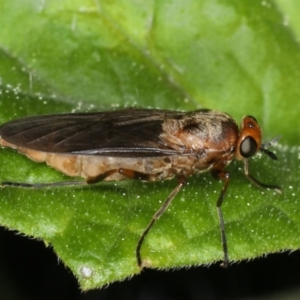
{"x": 141, "y": 144}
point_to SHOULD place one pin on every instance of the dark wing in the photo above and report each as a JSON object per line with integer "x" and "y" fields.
{"x": 114, "y": 133}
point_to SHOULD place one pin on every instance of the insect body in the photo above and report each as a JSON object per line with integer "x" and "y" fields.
{"x": 142, "y": 144}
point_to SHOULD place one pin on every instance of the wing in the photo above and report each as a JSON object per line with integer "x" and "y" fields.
{"x": 113, "y": 133}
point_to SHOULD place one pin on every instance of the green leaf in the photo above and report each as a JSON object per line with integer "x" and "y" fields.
{"x": 235, "y": 56}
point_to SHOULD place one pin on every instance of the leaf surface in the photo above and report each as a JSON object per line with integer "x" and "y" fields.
{"x": 238, "y": 57}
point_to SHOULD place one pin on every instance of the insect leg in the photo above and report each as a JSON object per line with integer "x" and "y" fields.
{"x": 258, "y": 183}
{"x": 41, "y": 185}
{"x": 130, "y": 174}
{"x": 181, "y": 182}
{"x": 223, "y": 175}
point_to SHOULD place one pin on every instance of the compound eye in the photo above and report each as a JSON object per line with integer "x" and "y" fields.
{"x": 248, "y": 147}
